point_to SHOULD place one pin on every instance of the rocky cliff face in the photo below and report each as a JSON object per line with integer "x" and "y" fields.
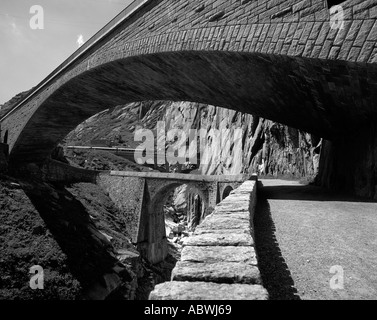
{"x": 264, "y": 146}
{"x": 245, "y": 143}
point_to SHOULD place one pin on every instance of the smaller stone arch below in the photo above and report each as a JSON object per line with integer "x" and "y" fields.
{"x": 197, "y": 200}
{"x": 226, "y": 192}
{"x": 155, "y": 232}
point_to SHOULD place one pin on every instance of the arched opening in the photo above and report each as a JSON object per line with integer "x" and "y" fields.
{"x": 184, "y": 209}
{"x": 227, "y": 192}
{"x": 174, "y": 212}
{"x": 181, "y": 76}
{"x": 6, "y": 137}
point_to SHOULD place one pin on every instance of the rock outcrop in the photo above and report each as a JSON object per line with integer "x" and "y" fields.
{"x": 269, "y": 147}
{"x": 76, "y": 234}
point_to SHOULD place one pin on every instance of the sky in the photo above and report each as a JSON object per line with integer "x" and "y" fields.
{"x": 27, "y": 54}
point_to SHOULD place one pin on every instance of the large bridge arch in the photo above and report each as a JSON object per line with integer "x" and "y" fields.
{"x": 270, "y": 86}
{"x": 277, "y": 59}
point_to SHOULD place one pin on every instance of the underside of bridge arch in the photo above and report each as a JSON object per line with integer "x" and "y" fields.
{"x": 324, "y": 97}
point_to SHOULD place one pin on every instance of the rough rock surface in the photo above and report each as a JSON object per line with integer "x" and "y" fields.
{"x": 272, "y": 148}
{"x": 221, "y": 223}
{"x": 217, "y": 254}
{"x": 77, "y": 235}
{"x": 222, "y": 272}
{"x": 25, "y": 241}
{"x": 220, "y": 239}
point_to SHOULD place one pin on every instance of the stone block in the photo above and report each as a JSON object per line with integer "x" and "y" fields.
{"x": 219, "y": 239}
{"x": 221, "y": 223}
{"x": 223, "y": 272}
{"x": 176, "y": 290}
{"x": 245, "y": 255}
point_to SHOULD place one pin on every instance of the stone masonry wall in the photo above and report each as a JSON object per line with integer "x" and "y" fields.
{"x": 127, "y": 194}
{"x": 219, "y": 261}
{"x": 56, "y": 171}
{"x": 294, "y": 28}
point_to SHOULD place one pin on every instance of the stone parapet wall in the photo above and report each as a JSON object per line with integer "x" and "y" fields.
{"x": 219, "y": 261}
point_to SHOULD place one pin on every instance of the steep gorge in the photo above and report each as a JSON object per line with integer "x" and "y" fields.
{"x": 267, "y": 147}
{"x": 80, "y": 229}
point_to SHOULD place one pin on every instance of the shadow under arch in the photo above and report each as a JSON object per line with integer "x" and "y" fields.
{"x": 288, "y": 90}
{"x": 6, "y": 137}
{"x": 226, "y": 192}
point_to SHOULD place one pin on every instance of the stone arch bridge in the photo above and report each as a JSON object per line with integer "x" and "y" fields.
{"x": 141, "y": 197}
{"x": 277, "y": 59}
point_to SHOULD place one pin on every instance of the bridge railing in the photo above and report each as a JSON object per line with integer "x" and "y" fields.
{"x": 181, "y": 176}
{"x": 122, "y": 16}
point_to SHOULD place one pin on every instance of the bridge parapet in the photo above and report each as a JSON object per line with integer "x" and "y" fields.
{"x": 179, "y": 176}
{"x": 219, "y": 262}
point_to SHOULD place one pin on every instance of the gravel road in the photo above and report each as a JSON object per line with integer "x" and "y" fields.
{"x": 304, "y": 231}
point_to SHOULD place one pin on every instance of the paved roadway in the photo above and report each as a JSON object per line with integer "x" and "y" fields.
{"x": 303, "y": 231}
